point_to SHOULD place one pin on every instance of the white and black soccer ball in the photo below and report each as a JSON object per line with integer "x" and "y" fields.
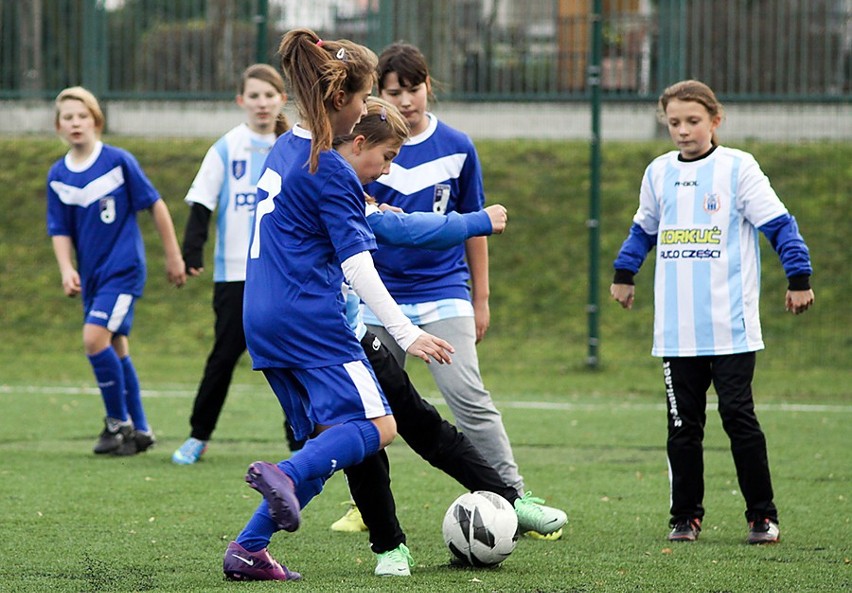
{"x": 480, "y": 528}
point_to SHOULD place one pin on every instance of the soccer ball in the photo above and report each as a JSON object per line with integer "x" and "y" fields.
{"x": 480, "y": 528}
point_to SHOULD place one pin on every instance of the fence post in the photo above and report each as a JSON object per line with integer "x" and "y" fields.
{"x": 671, "y": 16}
{"x": 94, "y": 47}
{"x": 593, "y": 223}
{"x": 261, "y": 19}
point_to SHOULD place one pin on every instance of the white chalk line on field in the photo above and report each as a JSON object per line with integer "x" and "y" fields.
{"x": 502, "y": 402}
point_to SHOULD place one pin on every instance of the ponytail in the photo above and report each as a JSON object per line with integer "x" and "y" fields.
{"x": 317, "y": 70}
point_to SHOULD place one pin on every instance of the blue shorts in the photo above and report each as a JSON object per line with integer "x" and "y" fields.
{"x": 112, "y": 311}
{"x": 327, "y": 395}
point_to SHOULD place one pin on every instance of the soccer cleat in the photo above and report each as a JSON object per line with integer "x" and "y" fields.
{"x": 144, "y": 440}
{"x": 139, "y": 442}
{"x": 533, "y": 516}
{"x": 278, "y": 490}
{"x": 549, "y": 537}
{"x": 351, "y": 521}
{"x": 190, "y": 452}
{"x": 395, "y": 563}
{"x": 114, "y": 435}
{"x": 242, "y": 565}
{"x": 685, "y": 530}
{"x": 765, "y": 531}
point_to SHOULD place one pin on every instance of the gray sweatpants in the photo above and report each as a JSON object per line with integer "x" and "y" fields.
{"x": 461, "y": 385}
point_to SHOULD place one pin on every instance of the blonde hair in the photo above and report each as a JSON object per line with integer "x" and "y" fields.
{"x": 692, "y": 90}
{"x": 383, "y": 123}
{"x": 317, "y": 70}
{"x": 268, "y": 74}
{"x": 78, "y": 93}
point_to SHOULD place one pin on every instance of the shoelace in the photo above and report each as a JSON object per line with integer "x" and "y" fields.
{"x": 531, "y": 502}
{"x": 401, "y": 553}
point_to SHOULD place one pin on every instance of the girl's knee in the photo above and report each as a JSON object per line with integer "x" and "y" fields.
{"x": 387, "y": 429}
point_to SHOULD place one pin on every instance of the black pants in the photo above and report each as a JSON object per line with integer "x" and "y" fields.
{"x": 429, "y": 435}
{"x": 228, "y": 347}
{"x": 687, "y": 381}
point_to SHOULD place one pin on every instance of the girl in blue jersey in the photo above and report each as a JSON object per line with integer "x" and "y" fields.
{"x": 443, "y": 292}
{"x": 227, "y": 180}
{"x": 93, "y": 195}
{"x": 701, "y": 206}
{"x": 310, "y": 233}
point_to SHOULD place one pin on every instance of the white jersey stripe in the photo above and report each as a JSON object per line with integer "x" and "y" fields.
{"x": 371, "y": 398}
{"x": 92, "y": 192}
{"x": 119, "y": 312}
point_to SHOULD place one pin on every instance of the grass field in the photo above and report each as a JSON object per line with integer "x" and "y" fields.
{"x": 590, "y": 441}
{"x": 76, "y": 523}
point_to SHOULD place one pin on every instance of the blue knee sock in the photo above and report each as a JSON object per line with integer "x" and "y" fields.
{"x": 336, "y": 448}
{"x": 110, "y": 377}
{"x": 258, "y": 531}
{"x": 133, "y": 396}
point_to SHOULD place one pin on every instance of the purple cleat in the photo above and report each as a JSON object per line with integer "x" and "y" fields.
{"x": 242, "y": 565}
{"x": 278, "y": 490}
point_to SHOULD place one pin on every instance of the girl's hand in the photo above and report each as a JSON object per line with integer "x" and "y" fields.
{"x": 71, "y": 283}
{"x": 428, "y": 346}
{"x": 176, "y": 270}
{"x": 499, "y": 217}
{"x": 623, "y": 293}
{"x": 799, "y": 301}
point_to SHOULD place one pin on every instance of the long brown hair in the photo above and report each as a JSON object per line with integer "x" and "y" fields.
{"x": 692, "y": 90}
{"x": 316, "y": 70}
{"x": 270, "y": 75}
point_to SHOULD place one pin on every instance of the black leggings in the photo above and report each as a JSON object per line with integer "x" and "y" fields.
{"x": 687, "y": 382}
{"x": 429, "y": 435}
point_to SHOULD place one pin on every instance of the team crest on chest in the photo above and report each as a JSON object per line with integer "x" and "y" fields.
{"x": 440, "y": 199}
{"x": 106, "y": 206}
{"x": 238, "y": 169}
{"x": 712, "y": 203}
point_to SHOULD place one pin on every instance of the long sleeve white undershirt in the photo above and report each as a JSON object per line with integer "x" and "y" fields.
{"x": 360, "y": 272}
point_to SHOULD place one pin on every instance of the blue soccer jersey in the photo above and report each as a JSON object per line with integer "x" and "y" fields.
{"x": 227, "y": 180}
{"x": 305, "y": 226}
{"x": 435, "y": 171}
{"x": 95, "y": 204}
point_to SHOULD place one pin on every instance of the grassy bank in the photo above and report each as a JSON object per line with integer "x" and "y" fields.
{"x": 539, "y": 274}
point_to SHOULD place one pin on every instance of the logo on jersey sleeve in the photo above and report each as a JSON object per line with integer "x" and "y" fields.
{"x": 711, "y": 203}
{"x": 238, "y": 169}
{"x": 441, "y": 198}
{"x": 106, "y": 206}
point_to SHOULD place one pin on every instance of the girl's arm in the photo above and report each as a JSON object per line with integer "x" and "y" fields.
{"x": 783, "y": 234}
{"x": 476, "y": 250}
{"x": 630, "y": 257}
{"x": 63, "y": 249}
{"x": 361, "y": 274}
{"x": 428, "y": 230}
{"x": 175, "y": 268}
{"x": 194, "y": 238}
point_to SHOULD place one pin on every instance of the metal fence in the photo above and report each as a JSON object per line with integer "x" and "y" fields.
{"x": 774, "y": 50}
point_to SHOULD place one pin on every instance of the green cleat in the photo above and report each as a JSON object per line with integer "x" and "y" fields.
{"x": 395, "y": 563}
{"x": 536, "y": 518}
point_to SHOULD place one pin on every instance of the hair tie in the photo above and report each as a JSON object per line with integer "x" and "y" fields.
{"x": 341, "y": 54}
{"x": 319, "y": 42}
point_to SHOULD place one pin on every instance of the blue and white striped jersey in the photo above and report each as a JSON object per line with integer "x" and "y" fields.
{"x": 227, "y": 180}
{"x": 95, "y": 204}
{"x": 705, "y": 215}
